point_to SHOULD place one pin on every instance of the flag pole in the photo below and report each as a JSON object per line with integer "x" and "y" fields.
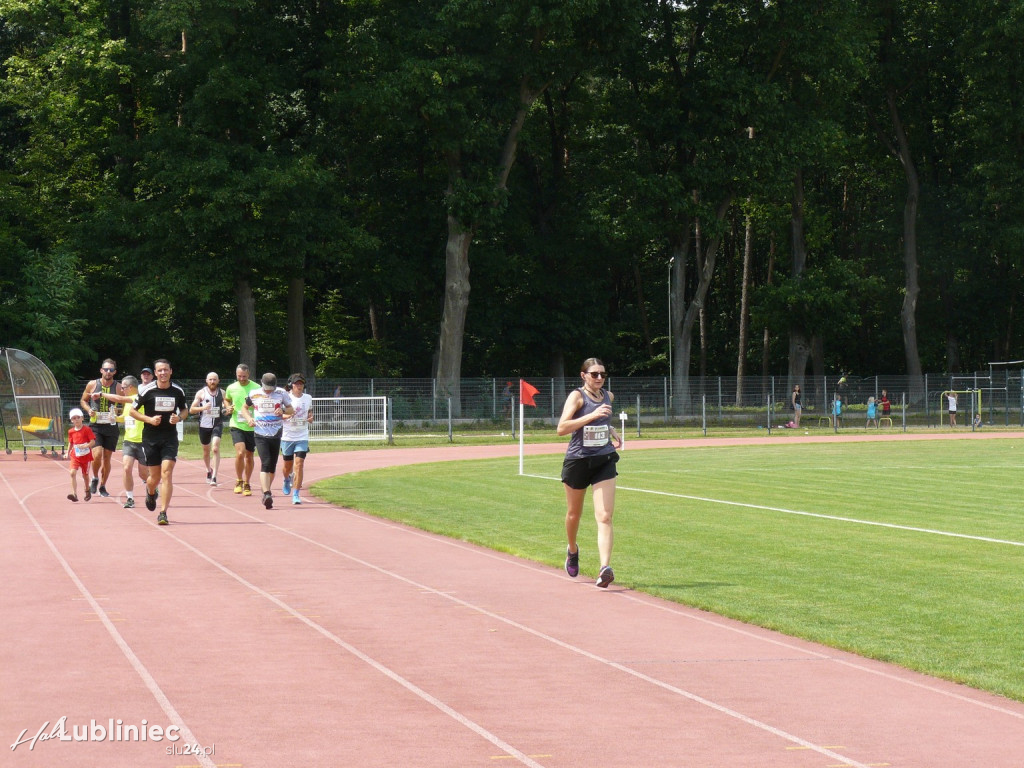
{"x": 520, "y": 434}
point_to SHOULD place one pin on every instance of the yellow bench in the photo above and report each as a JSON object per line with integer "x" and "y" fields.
{"x": 36, "y": 425}
{"x": 885, "y": 418}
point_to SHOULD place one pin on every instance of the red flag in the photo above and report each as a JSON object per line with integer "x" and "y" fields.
{"x": 526, "y": 393}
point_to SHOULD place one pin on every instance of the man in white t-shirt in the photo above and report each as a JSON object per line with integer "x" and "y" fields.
{"x": 295, "y": 437}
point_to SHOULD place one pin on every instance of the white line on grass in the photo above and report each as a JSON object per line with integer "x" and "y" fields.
{"x": 818, "y": 515}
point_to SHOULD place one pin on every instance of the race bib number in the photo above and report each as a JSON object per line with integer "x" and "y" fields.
{"x": 595, "y": 436}
{"x": 81, "y": 449}
{"x": 214, "y": 411}
{"x": 129, "y": 423}
{"x": 163, "y": 403}
{"x": 105, "y": 417}
{"x": 265, "y": 406}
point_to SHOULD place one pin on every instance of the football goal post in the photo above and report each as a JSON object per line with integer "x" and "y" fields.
{"x": 349, "y": 418}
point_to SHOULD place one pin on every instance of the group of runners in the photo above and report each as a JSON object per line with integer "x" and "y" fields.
{"x": 262, "y": 418}
{"x": 273, "y": 421}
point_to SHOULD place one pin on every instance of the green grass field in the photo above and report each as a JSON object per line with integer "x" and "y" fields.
{"x": 909, "y": 552}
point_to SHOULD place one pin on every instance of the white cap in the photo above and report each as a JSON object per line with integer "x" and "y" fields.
{"x": 75, "y": 412}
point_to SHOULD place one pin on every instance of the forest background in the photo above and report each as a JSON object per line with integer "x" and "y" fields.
{"x": 737, "y": 188}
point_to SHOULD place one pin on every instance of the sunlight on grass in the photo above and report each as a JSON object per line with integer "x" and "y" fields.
{"x": 789, "y": 537}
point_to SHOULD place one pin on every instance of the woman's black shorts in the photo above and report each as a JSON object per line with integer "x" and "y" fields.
{"x": 579, "y": 473}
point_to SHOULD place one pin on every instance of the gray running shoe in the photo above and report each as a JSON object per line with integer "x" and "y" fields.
{"x": 605, "y": 578}
{"x": 161, "y": 519}
{"x": 130, "y": 504}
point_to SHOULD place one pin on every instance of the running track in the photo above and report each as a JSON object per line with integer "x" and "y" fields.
{"x": 317, "y": 636}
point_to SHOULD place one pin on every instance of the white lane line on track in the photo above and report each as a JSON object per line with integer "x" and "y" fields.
{"x": 801, "y": 513}
{"x": 148, "y": 680}
{"x": 522, "y": 757}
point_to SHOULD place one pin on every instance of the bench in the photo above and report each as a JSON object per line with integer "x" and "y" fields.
{"x": 885, "y": 418}
{"x": 37, "y": 425}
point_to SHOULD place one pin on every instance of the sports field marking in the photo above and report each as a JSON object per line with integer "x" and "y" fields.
{"x": 783, "y": 510}
{"x": 140, "y": 668}
{"x": 365, "y": 658}
{"x": 458, "y": 717}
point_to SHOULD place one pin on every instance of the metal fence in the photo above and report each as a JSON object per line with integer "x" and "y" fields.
{"x": 714, "y": 400}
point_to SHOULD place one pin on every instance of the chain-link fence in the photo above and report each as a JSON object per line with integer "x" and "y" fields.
{"x": 712, "y": 400}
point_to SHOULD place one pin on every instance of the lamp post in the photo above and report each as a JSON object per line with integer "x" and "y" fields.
{"x": 670, "y": 376}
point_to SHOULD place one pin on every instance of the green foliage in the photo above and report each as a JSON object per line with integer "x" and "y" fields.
{"x": 170, "y": 149}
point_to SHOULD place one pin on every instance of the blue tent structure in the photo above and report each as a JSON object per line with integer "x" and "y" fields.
{"x": 30, "y": 408}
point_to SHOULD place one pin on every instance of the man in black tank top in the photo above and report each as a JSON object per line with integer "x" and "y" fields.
{"x": 99, "y": 404}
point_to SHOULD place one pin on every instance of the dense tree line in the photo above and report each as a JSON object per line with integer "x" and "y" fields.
{"x": 454, "y": 188}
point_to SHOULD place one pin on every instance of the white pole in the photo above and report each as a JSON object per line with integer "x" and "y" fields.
{"x": 520, "y": 437}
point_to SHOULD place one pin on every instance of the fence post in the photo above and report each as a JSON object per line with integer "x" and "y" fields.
{"x": 664, "y": 398}
{"x": 450, "y": 439}
{"x": 389, "y": 419}
{"x": 637, "y": 416}
{"x": 704, "y": 413}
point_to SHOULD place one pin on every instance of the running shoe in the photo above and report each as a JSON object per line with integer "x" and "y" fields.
{"x": 72, "y": 497}
{"x": 287, "y": 488}
{"x": 295, "y": 497}
{"x": 238, "y": 486}
{"x": 88, "y": 494}
{"x": 268, "y": 500}
{"x": 213, "y": 480}
{"x": 150, "y": 501}
{"x": 93, "y": 484}
{"x": 209, "y": 475}
{"x": 161, "y": 519}
{"x": 103, "y": 492}
{"x": 246, "y": 489}
{"x": 605, "y": 578}
{"x": 130, "y": 504}
{"x": 572, "y": 562}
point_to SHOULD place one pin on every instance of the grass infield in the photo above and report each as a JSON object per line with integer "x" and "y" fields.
{"x": 907, "y": 552}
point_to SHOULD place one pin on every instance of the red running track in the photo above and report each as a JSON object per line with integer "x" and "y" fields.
{"x": 317, "y": 636}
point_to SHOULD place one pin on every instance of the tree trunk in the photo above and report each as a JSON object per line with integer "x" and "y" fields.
{"x": 453, "y": 318}
{"x": 766, "y": 339}
{"x": 246, "y": 307}
{"x": 680, "y": 254}
{"x": 908, "y": 313}
{"x": 298, "y": 357}
{"x": 799, "y": 344}
{"x": 456, "y": 257}
{"x": 741, "y": 358}
{"x": 685, "y": 342}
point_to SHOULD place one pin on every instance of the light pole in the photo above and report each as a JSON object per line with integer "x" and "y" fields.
{"x": 670, "y": 261}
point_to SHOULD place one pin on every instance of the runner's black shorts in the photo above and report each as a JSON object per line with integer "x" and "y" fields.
{"x": 244, "y": 436}
{"x": 160, "y": 449}
{"x": 579, "y": 473}
{"x": 269, "y": 449}
{"x": 206, "y": 434}
{"x": 106, "y": 436}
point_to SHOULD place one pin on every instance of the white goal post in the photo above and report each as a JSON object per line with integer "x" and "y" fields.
{"x": 349, "y": 418}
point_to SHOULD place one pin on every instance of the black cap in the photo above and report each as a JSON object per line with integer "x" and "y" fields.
{"x": 269, "y": 381}
{"x": 296, "y": 377}
{"x": 146, "y": 370}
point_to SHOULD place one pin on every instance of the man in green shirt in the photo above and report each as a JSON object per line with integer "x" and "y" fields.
{"x": 242, "y": 435}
